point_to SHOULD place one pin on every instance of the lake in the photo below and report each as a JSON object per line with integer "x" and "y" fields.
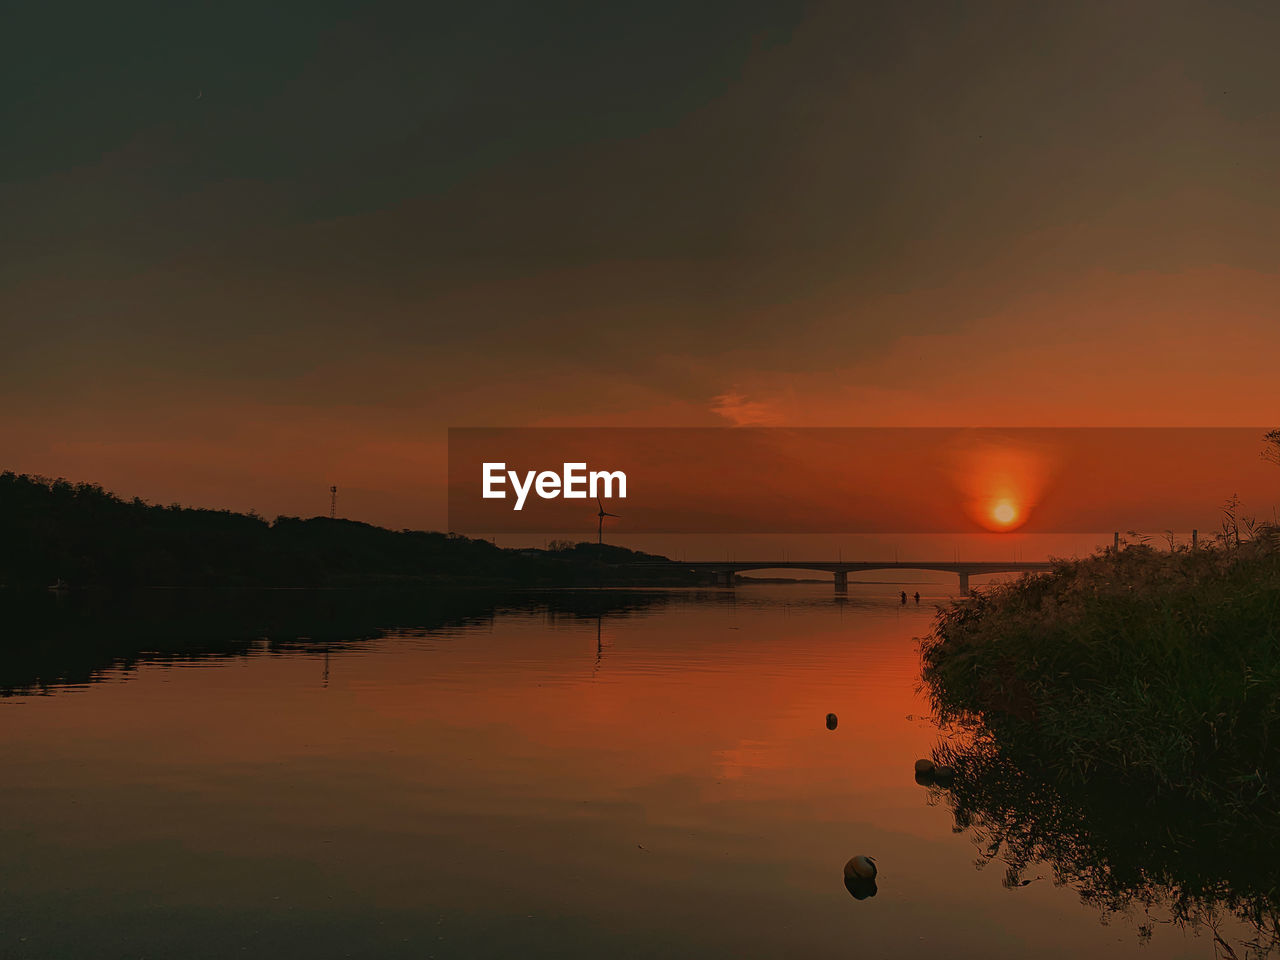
{"x": 560, "y": 774}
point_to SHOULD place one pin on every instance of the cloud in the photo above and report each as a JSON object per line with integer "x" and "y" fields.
{"x": 741, "y": 412}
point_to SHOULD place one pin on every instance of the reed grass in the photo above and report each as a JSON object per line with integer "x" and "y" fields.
{"x": 1160, "y": 668}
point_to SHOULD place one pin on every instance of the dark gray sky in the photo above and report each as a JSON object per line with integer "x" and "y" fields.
{"x": 249, "y": 252}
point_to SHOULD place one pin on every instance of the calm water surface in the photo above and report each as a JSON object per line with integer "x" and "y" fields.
{"x": 622, "y": 775}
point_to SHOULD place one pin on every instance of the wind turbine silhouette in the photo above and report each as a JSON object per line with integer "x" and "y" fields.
{"x": 600, "y": 522}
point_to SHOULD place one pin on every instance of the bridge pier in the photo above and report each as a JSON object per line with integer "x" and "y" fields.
{"x": 964, "y": 584}
{"x": 842, "y": 581}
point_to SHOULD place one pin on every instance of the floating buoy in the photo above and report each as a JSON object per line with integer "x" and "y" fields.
{"x": 832, "y": 720}
{"x": 860, "y": 868}
{"x": 943, "y": 775}
{"x": 860, "y": 877}
{"x": 924, "y": 767}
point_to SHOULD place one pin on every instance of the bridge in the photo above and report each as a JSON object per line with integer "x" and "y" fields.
{"x": 725, "y": 570}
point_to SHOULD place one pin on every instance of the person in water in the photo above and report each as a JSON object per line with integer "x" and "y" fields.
{"x": 917, "y": 596}
{"x": 904, "y": 597}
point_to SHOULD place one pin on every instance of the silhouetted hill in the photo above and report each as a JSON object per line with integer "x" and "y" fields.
{"x": 79, "y": 532}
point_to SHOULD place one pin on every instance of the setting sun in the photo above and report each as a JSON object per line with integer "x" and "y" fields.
{"x": 1004, "y": 513}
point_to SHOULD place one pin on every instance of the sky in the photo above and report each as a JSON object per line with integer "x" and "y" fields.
{"x": 815, "y": 481}
{"x": 253, "y": 252}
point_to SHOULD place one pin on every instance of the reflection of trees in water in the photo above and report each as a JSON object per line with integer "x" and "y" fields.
{"x": 1158, "y": 860}
{"x": 51, "y": 641}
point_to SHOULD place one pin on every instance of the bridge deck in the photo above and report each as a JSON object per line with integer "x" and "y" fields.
{"x": 831, "y": 566}
{"x": 724, "y": 570}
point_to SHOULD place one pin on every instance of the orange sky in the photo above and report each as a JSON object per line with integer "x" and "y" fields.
{"x": 805, "y": 217}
